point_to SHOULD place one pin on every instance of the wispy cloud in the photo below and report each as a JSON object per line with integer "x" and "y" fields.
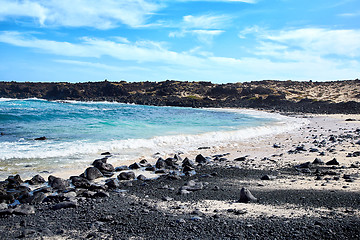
{"x": 319, "y": 41}
{"x": 23, "y": 9}
{"x": 98, "y": 65}
{"x": 279, "y": 55}
{"x": 244, "y": 1}
{"x": 204, "y": 36}
{"x": 207, "y": 21}
{"x": 309, "y": 41}
{"x": 250, "y": 30}
{"x": 350, "y": 14}
{"x": 203, "y": 27}
{"x": 142, "y": 51}
{"x": 89, "y": 13}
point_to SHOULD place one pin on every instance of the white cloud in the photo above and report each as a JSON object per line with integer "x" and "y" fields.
{"x": 103, "y": 14}
{"x": 276, "y": 58}
{"x": 250, "y": 30}
{"x": 23, "y": 9}
{"x": 206, "y": 21}
{"x": 204, "y": 36}
{"x": 143, "y": 51}
{"x": 350, "y": 14}
{"x": 203, "y": 27}
{"x": 318, "y": 41}
{"x": 98, "y": 65}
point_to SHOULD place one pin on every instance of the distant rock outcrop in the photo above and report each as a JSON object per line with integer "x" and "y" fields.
{"x": 286, "y": 96}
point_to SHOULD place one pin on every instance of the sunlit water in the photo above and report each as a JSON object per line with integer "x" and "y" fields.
{"x": 77, "y": 132}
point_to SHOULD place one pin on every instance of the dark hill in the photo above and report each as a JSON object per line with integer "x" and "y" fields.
{"x": 285, "y": 96}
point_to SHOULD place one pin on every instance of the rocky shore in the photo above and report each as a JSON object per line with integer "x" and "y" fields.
{"x": 300, "y": 185}
{"x": 285, "y": 96}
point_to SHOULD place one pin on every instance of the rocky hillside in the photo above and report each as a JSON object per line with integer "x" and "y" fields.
{"x": 288, "y": 96}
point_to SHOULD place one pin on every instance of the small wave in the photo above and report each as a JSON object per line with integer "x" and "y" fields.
{"x": 79, "y": 149}
{"x": 21, "y": 99}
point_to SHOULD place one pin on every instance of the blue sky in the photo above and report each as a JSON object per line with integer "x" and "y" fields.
{"x": 195, "y": 40}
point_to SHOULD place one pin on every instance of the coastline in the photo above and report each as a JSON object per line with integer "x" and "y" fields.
{"x": 327, "y": 208}
{"x": 123, "y": 151}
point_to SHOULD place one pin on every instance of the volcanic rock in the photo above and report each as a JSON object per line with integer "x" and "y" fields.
{"x": 333, "y": 162}
{"x": 268, "y": 177}
{"x": 246, "y": 196}
{"x": 40, "y": 138}
{"x": 58, "y": 183}
{"x": 141, "y": 177}
{"x": 80, "y": 182}
{"x": 304, "y": 165}
{"x": 126, "y": 176}
{"x": 36, "y": 180}
{"x": 200, "y": 159}
{"x": 160, "y": 163}
{"x": 134, "y": 166}
{"x": 318, "y": 161}
{"x": 24, "y": 210}
{"x": 92, "y": 173}
{"x": 66, "y": 204}
{"x": 112, "y": 183}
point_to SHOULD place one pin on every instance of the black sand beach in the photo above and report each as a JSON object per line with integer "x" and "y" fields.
{"x": 295, "y": 198}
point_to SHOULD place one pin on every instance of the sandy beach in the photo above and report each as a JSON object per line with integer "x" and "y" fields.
{"x": 299, "y": 198}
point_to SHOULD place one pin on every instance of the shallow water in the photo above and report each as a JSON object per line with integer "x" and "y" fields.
{"x": 77, "y": 132}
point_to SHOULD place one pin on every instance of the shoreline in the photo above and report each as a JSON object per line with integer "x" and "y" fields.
{"x": 170, "y": 144}
{"x": 314, "y": 200}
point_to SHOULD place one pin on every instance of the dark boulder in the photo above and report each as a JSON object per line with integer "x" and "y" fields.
{"x": 80, "y": 182}
{"x": 121, "y": 168}
{"x": 268, "y": 177}
{"x": 240, "y": 159}
{"x": 21, "y": 192}
{"x": 333, "y": 162}
{"x": 40, "y": 138}
{"x": 143, "y": 163}
{"x": 150, "y": 168}
{"x": 188, "y": 162}
{"x": 112, "y": 183}
{"x": 92, "y": 173}
{"x": 171, "y": 163}
{"x": 187, "y": 169}
{"x": 103, "y": 166}
{"x": 126, "y": 176}
{"x": 36, "y": 180}
{"x": 246, "y": 196}
{"x": 200, "y": 159}
{"x": 304, "y": 165}
{"x": 14, "y": 181}
{"x": 58, "y": 183}
{"x": 318, "y": 161}
{"x": 141, "y": 178}
{"x": 98, "y": 161}
{"x": 160, "y": 163}
{"x": 134, "y": 166}
{"x": 300, "y": 148}
{"x": 37, "y": 197}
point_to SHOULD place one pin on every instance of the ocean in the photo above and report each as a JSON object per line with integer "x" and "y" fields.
{"x": 78, "y": 132}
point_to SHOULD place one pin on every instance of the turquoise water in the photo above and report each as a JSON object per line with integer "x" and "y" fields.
{"x": 77, "y": 132}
